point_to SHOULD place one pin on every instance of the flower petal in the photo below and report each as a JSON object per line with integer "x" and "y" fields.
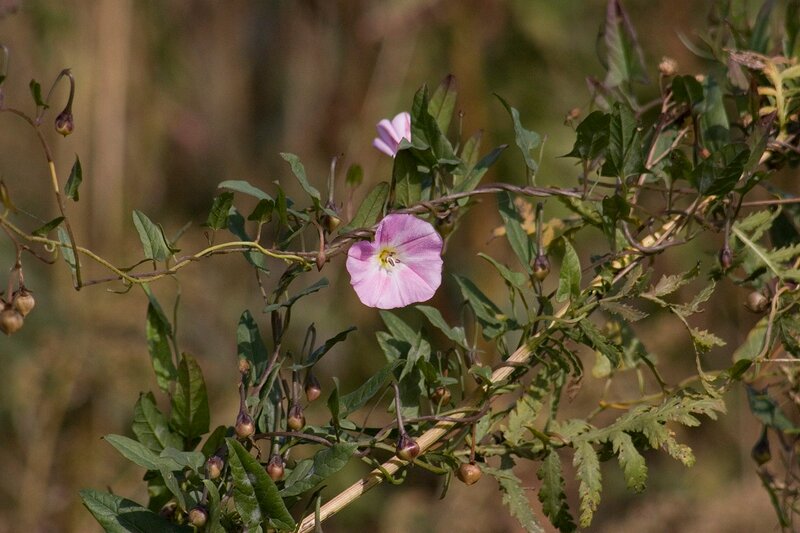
{"x": 387, "y": 132}
{"x": 402, "y": 126}
{"x": 383, "y": 147}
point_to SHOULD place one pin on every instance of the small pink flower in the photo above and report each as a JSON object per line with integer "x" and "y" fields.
{"x": 391, "y": 133}
{"x": 401, "y": 266}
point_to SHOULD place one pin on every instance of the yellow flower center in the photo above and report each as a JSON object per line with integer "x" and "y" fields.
{"x": 387, "y": 258}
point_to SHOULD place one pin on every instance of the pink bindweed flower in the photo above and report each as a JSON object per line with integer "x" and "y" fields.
{"x": 390, "y": 133}
{"x": 401, "y": 266}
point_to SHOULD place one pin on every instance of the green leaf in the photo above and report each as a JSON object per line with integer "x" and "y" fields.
{"x": 311, "y": 289}
{"x": 138, "y": 453}
{"x": 250, "y": 345}
{"x": 218, "y": 217}
{"x": 455, "y": 334}
{"x": 349, "y": 403}
{"x": 74, "y": 180}
{"x": 159, "y": 334}
{"x": 569, "y": 277}
{"x": 326, "y": 463}
{"x": 551, "y": 493}
{"x": 623, "y": 53}
{"x": 398, "y": 327}
{"x": 192, "y": 460}
{"x": 66, "y": 248}
{"x": 443, "y": 103}
{"x": 516, "y": 235}
{"x": 152, "y": 236}
{"x": 515, "y": 498}
{"x": 473, "y": 177}
{"x": 626, "y": 312}
{"x": 370, "y": 209}
{"x": 631, "y": 461}
{"x": 488, "y": 314}
{"x": 214, "y": 524}
{"x": 120, "y": 515}
{"x": 426, "y": 137}
{"x": 36, "y": 92}
{"x": 768, "y": 411}
{"x": 587, "y": 466}
{"x": 687, "y": 90}
{"x": 515, "y": 279}
{"x": 262, "y": 212}
{"x": 151, "y": 426}
{"x": 236, "y": 226}
{"x": 527, "y": 409}
{"x": 600, "y": 343}
{"x": 190, "y": 414}
{"x": 244, "y": 188}
{"x": 714, "y": 120}
{"x": 317, "y": 354}
{"x": 591, "y": 138}
{"x": 624, "y": 154}
{"x": 255, "y": 495}
{"x": 407, "y": 180}
{"x": 526, "y": 140}
{"x": 791, "y": 40}
{"x": 669, "y": 284}
{"x": 759, "y": 39}
{"x": 43, "y": 230}
{"x": 300, "y": 173}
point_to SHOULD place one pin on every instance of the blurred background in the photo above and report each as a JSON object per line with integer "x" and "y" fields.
{"x": 175, "y": 96}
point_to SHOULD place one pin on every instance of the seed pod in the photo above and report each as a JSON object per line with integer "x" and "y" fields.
{"x": 214, "y": 466}
{"x": 275, "y": 467}
{"x": 65, "y": 123}
{"x": 407, "y": 448}
{"x": 725, "y": 258}
{"x": 469, "y": 473}
{"x": 330, "y": 223}
{"x": 313, "y": 387}
{"x": 440, "y": 394}
{"x": 23, "y": 301}
{"x": 198, "y": 516}
{"x": 10, "y": 320}
{"x": 541, "y": 267}
{"x": 296, "y": 420}
{"x": 245, "y": 426}
{"x": 756, "y": 302}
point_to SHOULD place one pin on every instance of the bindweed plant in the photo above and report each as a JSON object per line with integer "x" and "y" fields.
{"x": 475, "y": 396}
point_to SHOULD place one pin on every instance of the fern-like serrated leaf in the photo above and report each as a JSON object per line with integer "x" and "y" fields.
{"x": 705, "y": 340}
{"x": 595, "y": 338}
{"x": 515, "y": 499}
{"x": 686, "y": 310}
{"x": 587, "y": 466}
{"x": 669, "y": 284}
{"x": 679, "y": 451}
{"x": 625, "y": 312}
{"x": 630, "y": 460}
{"x": 758, "y": 223}
{"x": 551, "y": 493}
{"x": 527, "y": 409}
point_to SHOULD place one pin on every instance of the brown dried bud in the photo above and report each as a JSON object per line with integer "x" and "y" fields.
{"x": 198, "y": 516}
{"x": 469, "y": 473}
{"x": 23, "y": 301}
{"x": 541, "y": 267}
{"x": 407, "y": 448}
{"x": 313, "y": 388}
{"x": 756, "y": 302}
{"x": 245, "y": 426}
{"x": 441, "y": 395}
{"x": 275, "y": 467}
{"x": 761, "y": 453}
{"x": 296, "y": 420}
{"x": 214, "y": 466}
{"x": 668, "y": 66}
{"x": 65, "y": 123}
{"x": 10, "y": 320}
{"x": 244, "y": 366}
{"x": 330, "y": 223}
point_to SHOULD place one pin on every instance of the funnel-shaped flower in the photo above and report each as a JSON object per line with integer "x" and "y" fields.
{"x": 391, "y": 133}
{"x": 401, "y": 266}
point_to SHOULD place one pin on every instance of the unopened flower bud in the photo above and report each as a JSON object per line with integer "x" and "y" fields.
{"x": 668, "y": 66}
{"x": 198, "y": 516}
{"x": 214, "y": 466}
{"x": 245, "y": 426}
{"x": 313, "y": 387}
{"x": 407, "y": 448}
{"x": 757, "y": 302}
{"x": 10, "y": 320}
{"x": 541, "y": 267}
{"x": 330, "y": 222}
{"x": 23, "y": 301}
{"x": 296, "y": 420}
{"x": 65, "y": 123}
{"x": 167, "y": 512}
{"x": 441, "y": 394}
{"x": 275, "y": 467}
{"x": 445, "y": 225}
{"x": 469, "y": 473}
{"x": 725, "y": 258}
